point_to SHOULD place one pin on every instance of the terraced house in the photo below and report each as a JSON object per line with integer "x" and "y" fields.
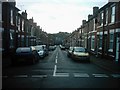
{"x": 1, "y": 26}
{"x": 102, "y": 31}
{"x": 15, "y": 29}
{"x": 100, "y": 34}
{"x": 9, "y": 25}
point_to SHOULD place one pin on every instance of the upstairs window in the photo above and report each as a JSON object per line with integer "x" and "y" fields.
{"x": 22, "y": 25}
{"x": 101, "y": 19}
{"x": 11, "y": 15}
{"x": 0, "y": 11}
{"x": 112, "y": 14}
{"x": 106, "y": 16}
{"x": 18, "y": 23}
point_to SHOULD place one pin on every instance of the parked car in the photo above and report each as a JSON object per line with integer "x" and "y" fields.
{"x": 25, "y": 54}
{"x": 69, "y": 51}
{"x": 40, "y": 51}
{"x": 80, "y": 53}
{"x": 44, "y": 47}
{"x": 52, "y": 48}
{"x": 62, "y": 47}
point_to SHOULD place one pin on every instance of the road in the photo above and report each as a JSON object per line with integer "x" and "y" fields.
{"x": 58, "y": 71}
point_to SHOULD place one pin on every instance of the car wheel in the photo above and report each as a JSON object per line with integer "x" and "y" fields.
{"x": 33, "y": 61}
{"x": 13, "y": 62}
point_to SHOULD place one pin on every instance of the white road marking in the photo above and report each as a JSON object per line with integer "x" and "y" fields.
{"x": 116, "y": 75}
{"x": 21, "y": 76}
{"x": 81, "y": 75}
{"x": 56, "y": 60}
{"x": 56, "y": 56}
{"x": 100, "y": 75}
{"x": 62, "y": 75}
{"x": 55, "y": 69}
{"x": 39, "y": 76}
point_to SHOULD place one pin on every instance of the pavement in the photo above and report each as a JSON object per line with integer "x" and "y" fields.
{"x": 106, "y": 64}
{"x": 6, "y": 62}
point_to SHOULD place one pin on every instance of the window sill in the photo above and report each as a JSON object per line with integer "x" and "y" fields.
{"x": 111, "y": 23}
{"x": 92, "y": 49}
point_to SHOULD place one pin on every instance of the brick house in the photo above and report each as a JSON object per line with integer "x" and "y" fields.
{"x": 1, "y": 26}
{"x": 101, "y": 32}
{"x": 9, "y": 24}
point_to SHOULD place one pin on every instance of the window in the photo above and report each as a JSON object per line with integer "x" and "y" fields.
{"x": 11, "y": 38}
{"x": 22, "y": 40}
{"x": 100, "y": 41}
{"x": 101, "y": 19}
{"x": 106, "y": 16}
{"x": 19, "y": 41}
{"x": 11, "y": 13}
{"x": 22, "y": 25}
{"x": 111, "y": 40}
{"x": 18, "y": 23}
{"x": 16, "y": 20}
{"x": 112, "y": 14}
{"x": 93, "y": 43}
{"x": 1, "y": 39}
{"x": 0, "y": 11}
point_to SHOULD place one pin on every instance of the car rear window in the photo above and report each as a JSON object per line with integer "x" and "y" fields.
{"x": 23, "y": 50}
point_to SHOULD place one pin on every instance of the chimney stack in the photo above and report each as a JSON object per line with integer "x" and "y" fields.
{"x": 89, "y": 17}
{"x": 83, "y": 22}
{"x": 24, "y": 14}
{"x": 95, "y": 9}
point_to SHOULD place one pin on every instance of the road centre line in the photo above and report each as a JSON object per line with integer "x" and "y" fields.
{"x": 56, "y": 60}
{"x": 56, "y": 56}
{"x": 55, "y": 69}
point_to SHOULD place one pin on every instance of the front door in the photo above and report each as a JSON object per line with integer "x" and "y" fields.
{"x": 117, "y": 48}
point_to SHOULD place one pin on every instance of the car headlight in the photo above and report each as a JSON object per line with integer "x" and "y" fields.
{"x": 40, "y": 52}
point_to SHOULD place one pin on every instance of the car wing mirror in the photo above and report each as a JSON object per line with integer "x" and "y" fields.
{"x": 72, "y": 50}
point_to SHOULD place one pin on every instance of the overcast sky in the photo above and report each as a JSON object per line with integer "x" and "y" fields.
{"x": 59, "y": 15}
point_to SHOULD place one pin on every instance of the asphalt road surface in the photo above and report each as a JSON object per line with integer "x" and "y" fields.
{"x": 58, "y": 71}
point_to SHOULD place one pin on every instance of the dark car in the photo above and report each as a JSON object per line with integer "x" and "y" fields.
{"x": 25, "y": 54}
{"x": 52, "y": 48}
{"x": 80, "y": 54}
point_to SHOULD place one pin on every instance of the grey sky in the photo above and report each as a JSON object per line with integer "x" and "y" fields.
{"x": 59, "y": 15}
